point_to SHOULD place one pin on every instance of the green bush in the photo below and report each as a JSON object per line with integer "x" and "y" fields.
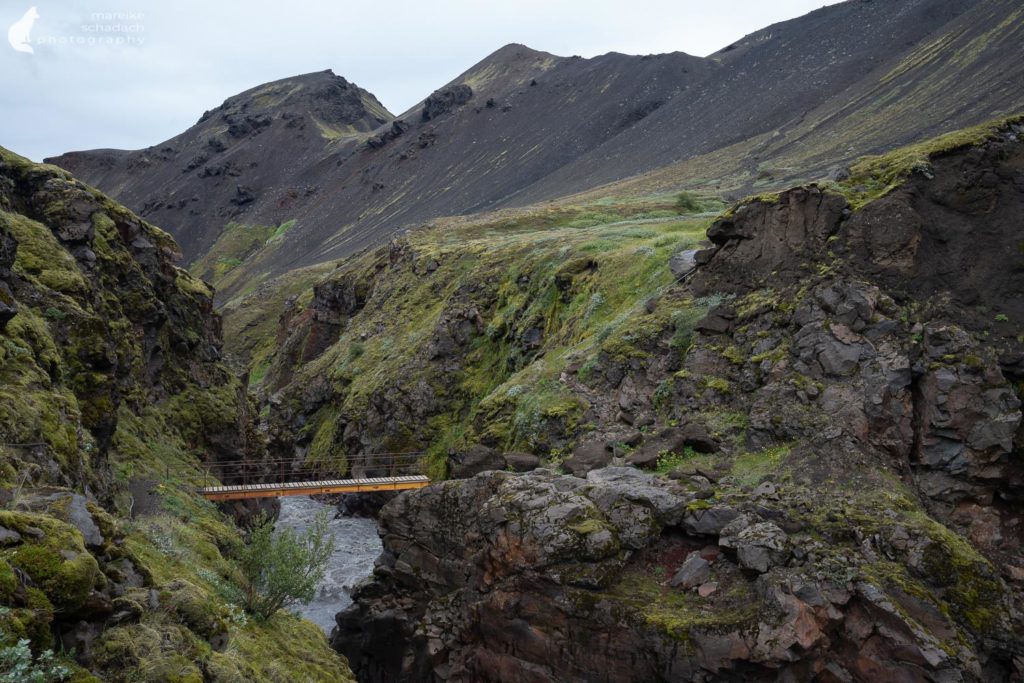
{"x": 18, "y": 666}
{"x": 284, "y": 567}
{"x": 687, "y": 202}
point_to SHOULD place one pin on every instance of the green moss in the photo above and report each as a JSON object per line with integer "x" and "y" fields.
{"x": 66, "y": 583}
{"x": 699, "y": 504}
{"x": 8, "y": 582}
{"x": 193, "y": 286}
{"x": 322, "y": 449}
{"x": 677, "y": 614}
{"x": 286, "y": 648}
{"x": 734, "y": 355}
{"x": 774, "y": 355}
{"x": 970, "y": 585}
{"x": 588, "y": 526}
{"x": 874, "y": 177}
{"x": 40, "y": 256}
{"x": 195, "y": 608}
{"x": 749, "y": 469}
{"x": 718, "y": 384}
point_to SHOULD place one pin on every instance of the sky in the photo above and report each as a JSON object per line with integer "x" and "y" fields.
{"x": 133, "y": 73}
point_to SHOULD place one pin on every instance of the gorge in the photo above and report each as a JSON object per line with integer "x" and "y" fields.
{"x": 715, "y": 364}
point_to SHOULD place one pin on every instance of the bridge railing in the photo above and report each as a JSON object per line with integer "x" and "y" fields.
{"x": 289, "y": 470}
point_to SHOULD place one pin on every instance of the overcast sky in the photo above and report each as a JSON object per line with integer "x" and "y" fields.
{"x": 96, "y": 79}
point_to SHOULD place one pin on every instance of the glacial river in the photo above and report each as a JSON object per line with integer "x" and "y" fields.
{"x": 356, "y": 546}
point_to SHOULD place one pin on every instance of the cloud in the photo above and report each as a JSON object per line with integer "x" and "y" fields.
{"x": 90, "y": 85}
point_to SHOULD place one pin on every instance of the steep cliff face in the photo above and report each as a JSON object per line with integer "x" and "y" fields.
{"x": 112, "y": 393}
{"x": 105, "y": 323}
{"x": 837, "y": 455}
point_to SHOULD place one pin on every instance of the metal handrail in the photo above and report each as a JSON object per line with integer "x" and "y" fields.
{"x": 285, "y": 470}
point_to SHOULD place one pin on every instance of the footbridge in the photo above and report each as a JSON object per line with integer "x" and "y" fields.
{"x": 241, "y": 479}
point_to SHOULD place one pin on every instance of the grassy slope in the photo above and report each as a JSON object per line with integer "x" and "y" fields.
{"x": 170, "y": 535}
{"x": 581, "y": 276}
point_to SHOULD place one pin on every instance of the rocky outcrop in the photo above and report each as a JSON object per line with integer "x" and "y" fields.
{"x": 128, "y": 327}
{"x": 113, "y": 395}
{"x": 838, "y": 481}
{"x": 443, "y": 101}
{"x": 546, "y": 577}
{"x": 8, "y": 252}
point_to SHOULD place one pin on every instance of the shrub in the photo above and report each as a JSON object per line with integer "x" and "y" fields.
{"x": 284, "y": 567}
{"x": 687, "y": 202}
{"x": 18, "y": 666}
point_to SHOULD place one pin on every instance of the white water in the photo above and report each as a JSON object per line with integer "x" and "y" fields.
{"x": 356, "y": 546}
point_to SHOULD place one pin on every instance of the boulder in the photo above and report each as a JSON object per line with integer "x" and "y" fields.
{"x": 587, "y": 456}
{"x": 760, "y": 546}
{"x": 9, "y": 536}
{"x": 443, "y": 101}
{"x": 72, "y": 508}
{"x": 477, "y": 459}
{"x": 664, "y": 499}
{"x": 710, "y": 521}
{"x": 683, "y": 263}
{"x": 673, "y": 440}
{"x": 8, "y": 307}
{"x": 694, "y": 571}
{"x": 521, "y": 462}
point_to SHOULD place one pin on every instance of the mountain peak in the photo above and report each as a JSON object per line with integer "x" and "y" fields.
{"x": 331, "y": 99}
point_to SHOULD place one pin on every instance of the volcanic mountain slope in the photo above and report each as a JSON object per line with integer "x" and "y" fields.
{"x": 957, "y": 75}
{"x": 253, "y": 146}
{"x": 524, "y": 126}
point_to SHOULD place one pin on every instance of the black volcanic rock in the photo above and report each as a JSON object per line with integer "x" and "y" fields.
{"x": 443, "y": 101}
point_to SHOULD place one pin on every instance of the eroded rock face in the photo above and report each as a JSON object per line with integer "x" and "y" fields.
{"x": 852, "y": 512}
{"x": 539, "y": 576}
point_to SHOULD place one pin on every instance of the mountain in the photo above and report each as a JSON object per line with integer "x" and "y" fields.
{"x": 253, "y": 146}
{"x": 787, "y": 103}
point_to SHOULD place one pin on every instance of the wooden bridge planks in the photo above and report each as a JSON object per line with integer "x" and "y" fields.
{"x": 306, "y": 488}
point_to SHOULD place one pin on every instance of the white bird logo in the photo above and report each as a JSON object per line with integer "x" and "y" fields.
{"x": 18, "y": 33}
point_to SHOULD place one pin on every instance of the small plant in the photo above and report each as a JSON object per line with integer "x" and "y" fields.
{"x": 1002, "y": 318}
{"x": 355, "y": 350}
{"x": 283, "y": 568}
{"x": 596, "y": 302}
{"x": 237, "y": 615}
{"x": 18, "y": 666}
{"x": 669, "y": 460}
{"x": 687, "y": 202}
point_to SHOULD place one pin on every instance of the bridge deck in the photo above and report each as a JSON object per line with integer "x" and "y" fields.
{"x": 307, "y": 488}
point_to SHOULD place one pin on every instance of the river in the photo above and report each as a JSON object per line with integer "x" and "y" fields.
{"x": 356, "y": 546}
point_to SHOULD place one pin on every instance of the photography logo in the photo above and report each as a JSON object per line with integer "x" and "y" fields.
{"x": 18, "y": 35}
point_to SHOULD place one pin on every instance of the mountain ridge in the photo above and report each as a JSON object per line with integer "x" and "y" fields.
{"x": 523, "y": 126}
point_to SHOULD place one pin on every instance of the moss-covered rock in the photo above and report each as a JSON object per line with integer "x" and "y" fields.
{"x": 195, "y": 609}
{"x": 112, "y": 392}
